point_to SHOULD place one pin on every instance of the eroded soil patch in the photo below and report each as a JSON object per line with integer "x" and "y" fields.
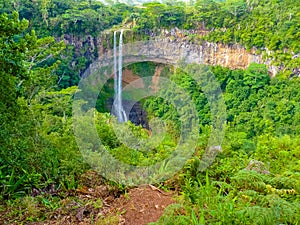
{"x": 143, "y": 205}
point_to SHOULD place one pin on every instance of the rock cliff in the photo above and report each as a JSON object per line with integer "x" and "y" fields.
{"x": 168, "y": 46}
{"x": 174, "y": 45}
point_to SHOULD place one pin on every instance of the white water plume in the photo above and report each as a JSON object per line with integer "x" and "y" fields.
{"x": 118, "y": 106}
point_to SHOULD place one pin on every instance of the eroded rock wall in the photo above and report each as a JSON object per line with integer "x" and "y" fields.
{"x": 171, "y": 46}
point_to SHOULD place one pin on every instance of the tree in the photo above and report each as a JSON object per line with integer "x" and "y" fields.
{"x": 26, "y": 63}
{"x": 256, "y": 76}
{"x": 13, "y": 47}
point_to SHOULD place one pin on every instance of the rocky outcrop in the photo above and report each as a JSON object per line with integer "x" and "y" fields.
{"x": 80, "y": 42}
{"x": 136, "y": 114}
{"x": 258, "y": 166}
{"x": 84, "y": 46}
{"x": 166, "y": 50}
{"x": 174, "y": 45}
{"x": 169, "y": 43}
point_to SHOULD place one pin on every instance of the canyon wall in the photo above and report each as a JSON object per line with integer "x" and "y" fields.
{"x": 166, "y": 46}
{"x": 172, "y": 46}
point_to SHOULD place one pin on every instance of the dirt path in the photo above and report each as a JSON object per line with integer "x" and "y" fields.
{"x": 143, "y": 205}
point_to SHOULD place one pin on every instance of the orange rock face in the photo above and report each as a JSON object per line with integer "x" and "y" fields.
{"x": 170, "y": 47}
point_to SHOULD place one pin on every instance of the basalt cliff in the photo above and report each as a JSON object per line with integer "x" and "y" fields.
{"x": 169, "y": 46}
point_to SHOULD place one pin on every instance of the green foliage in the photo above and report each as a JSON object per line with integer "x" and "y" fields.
{"x": 254, "y": 104}
{"x": 79, "y": 23}
{"x": 36, "y": 138}
{"x": 12, "y": 57}
{"x": 237, "y": 192}
{"x": 158, "y": 15}
{"x": 149, "y": 151}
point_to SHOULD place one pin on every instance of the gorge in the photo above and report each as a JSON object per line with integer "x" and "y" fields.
{"x": 168, "y": 48}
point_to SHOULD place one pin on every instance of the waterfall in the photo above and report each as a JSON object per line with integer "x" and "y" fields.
{"x": 115, "y": 75}
{"x": 118, "y": 108}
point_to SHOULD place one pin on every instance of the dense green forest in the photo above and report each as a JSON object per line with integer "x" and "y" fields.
{"x": 45, "y": 49}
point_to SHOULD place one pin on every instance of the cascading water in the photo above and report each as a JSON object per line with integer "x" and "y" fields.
{"x": 115, "y": 75}
{"x": 118, "y": 108}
